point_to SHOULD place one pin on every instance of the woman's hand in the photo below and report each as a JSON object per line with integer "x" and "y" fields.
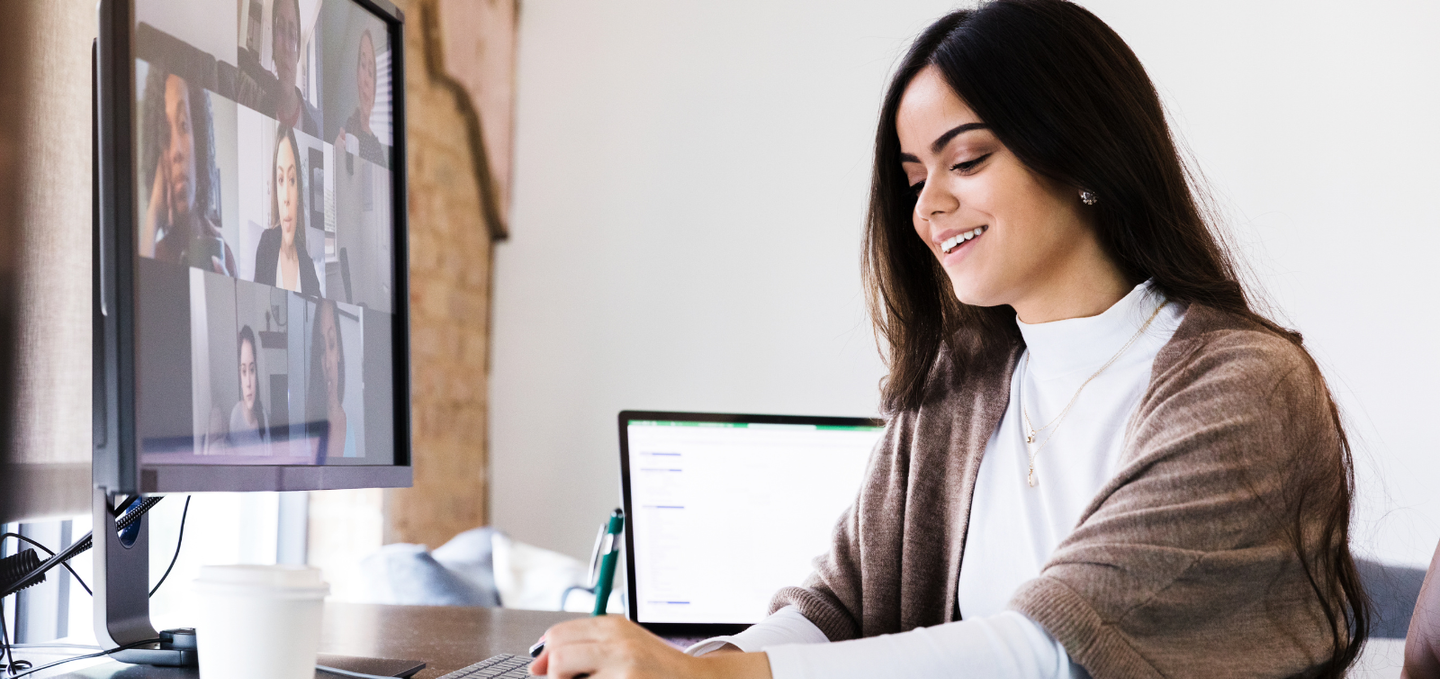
{"x": 158, "y": 209}
{"x": 225, "y": 263}
{"x": 611, "y": 647}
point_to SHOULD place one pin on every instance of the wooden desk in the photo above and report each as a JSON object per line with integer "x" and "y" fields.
{"x": 444, "y": 638}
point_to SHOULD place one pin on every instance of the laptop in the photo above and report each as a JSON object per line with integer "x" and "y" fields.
{"x": 723, "y": 510}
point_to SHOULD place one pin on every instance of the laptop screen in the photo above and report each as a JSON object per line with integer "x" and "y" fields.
{"x": 724, "y": 513}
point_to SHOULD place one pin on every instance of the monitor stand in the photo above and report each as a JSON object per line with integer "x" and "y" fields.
{"x": 122, "y": 610}
{"x": 122, "y": 594}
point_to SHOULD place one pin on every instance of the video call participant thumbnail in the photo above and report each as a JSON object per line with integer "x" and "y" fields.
{"x": 278, "y": 95}
{"x": 181, "y": 222}
{"x": 326, "y": 392}
{"x": 367, "y": 144}
{"x": 282, "y": 258}
{"x": 248, "y": 432}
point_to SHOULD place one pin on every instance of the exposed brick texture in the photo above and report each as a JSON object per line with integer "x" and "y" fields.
{"x": 450, "y": 273}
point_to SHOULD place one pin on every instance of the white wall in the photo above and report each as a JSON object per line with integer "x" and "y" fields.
{"x": 690, "y": 182}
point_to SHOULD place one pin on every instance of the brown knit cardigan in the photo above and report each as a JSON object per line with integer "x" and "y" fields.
{"x": 1180, "y": 566}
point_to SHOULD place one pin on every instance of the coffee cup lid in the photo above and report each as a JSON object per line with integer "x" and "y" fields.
{"x": 268, "y": 577}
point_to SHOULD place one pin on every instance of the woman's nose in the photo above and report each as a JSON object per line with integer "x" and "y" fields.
{"x": 934, "y": 199}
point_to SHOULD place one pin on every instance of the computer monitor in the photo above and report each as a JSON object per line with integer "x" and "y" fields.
{"x": 251, "y": 317}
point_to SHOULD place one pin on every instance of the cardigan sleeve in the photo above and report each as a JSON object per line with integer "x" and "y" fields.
{"x": 1183, "y": 564}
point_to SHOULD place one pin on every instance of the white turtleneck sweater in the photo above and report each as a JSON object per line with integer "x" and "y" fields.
{"x": 1013, "y": 527}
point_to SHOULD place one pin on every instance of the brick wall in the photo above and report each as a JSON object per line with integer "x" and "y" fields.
{"x": 454, "y": 218}
{"x": 450, "y": 273}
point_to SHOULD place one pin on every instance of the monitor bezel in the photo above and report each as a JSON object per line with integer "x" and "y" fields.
{"x": 117, "y": 465}
{"x": 673, "y": 629}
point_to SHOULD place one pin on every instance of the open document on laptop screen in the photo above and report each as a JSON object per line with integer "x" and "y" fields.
{"x": 726, "y": 513}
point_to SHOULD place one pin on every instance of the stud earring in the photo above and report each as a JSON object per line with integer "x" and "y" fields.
{"x": 1088, "y": 198}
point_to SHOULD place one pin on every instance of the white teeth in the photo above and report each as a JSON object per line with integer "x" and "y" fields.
{"x": 950, "y": 243}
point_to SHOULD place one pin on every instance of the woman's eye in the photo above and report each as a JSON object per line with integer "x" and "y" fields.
{"x": 969, "y": 164}
{"x": 917, "y": 187}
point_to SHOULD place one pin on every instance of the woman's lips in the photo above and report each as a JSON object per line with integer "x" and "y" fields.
{"x": 952, "y": 249}
{"x": 949, "y": 244}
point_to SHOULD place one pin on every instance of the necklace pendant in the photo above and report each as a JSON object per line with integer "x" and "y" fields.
{"x": 1030, "y": 438}
{"x": 1030, "y": 478}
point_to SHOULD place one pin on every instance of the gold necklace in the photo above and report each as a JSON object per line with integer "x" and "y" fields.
{"x": 1031, "y": 431}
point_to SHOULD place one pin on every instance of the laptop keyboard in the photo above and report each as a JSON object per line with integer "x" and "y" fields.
{"x": 503, "y": 666}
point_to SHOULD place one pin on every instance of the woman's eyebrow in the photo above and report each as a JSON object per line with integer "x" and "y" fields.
{"x": 940, "y": 142}
{"x": 944, "y": 139}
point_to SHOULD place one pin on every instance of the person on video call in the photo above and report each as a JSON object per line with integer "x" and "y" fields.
{"x": 358, "y": 124}
{"x": 180, "y": 223}
{"x": 248, "y": 432}
{"x": 326, "y": 396}
{"x": 278, "y": 95}
{"x": 281, "y": 258}
{"x": 1099, "y": 459}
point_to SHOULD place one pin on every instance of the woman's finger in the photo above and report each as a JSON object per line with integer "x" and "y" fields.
{"x": 573, "y": 660}
{"x": 169, "y": 203}
{"x": 541, "y": 664}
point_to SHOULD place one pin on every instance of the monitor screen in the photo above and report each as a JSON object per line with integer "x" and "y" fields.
{"x": 703, "y": 500}
{"x": 265, "y": 227}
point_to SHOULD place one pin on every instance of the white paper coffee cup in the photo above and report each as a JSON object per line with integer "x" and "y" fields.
{"x": 258, "y": 621}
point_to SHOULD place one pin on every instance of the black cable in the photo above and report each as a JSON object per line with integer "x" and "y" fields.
{"x": 134, "y": 509}
{"x": 62, "y": 661}
{"x": 5, "y": 655}
{"x": 10, "y": 665}
{"x": 132, "y": 512}
{"x": 178, "y": 541}
{"x": 47, "y": 551}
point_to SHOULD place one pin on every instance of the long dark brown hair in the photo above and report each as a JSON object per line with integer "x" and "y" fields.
{"x": 248, "y": 336}
{"x": 157, "y": 140}
{"x": 1066, "y": 95}
{"x": 284, "y": 134}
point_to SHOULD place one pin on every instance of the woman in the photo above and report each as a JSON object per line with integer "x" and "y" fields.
{"x": 327, "y": 383}
{"x": 181, "y": 221}
{"x": 248, "y": 433}
{"x": 281, "y": 258}
{"x": 277, "y": 94}
{"x": 288, "y": 104}
{"x": 358, "y": 124}
{"x": 1098, "y": 458}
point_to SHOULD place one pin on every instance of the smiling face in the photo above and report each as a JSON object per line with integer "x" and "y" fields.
{"x": 365, "y": 77}
{"x": 287, "y": 192}
{"x": 180, "y": 156}
{"x": 1003, "y": 234}
{"x": 247, "y": 375}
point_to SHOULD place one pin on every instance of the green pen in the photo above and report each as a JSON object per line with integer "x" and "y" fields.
{"x": 607, "y": 560}
{"x": 608, "y": 554}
